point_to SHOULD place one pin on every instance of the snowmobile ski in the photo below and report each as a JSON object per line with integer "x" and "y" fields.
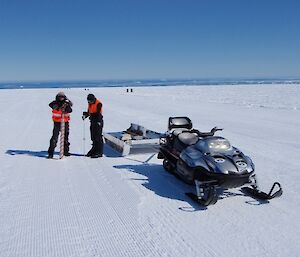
{"x": 255, "y": 193}
{"x": 208, "y": 196}
{"x": 202, "y": 201}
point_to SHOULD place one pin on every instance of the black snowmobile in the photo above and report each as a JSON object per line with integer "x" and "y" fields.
{"x": 209, "y": 162}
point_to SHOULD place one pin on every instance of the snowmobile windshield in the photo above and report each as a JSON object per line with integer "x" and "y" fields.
{"x": 214, "y": 145}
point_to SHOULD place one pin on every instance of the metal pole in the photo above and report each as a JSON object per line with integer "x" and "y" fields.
{"x": 83, "y": 138}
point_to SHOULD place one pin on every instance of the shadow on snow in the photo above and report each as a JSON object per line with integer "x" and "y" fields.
{"x": 41, "y": 154}
{"x": 170, "y": 186}
{"x": 163, "y": 184}
{"x": 157, "y": 179}
{"x": 107, "y": 151}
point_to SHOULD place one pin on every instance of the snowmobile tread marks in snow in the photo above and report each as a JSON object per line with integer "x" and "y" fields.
{"x": 209, "y": 161}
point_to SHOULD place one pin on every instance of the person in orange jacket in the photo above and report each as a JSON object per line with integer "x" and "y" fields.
{"x": 60, "y": 105}
{"x": 95, "y": 114}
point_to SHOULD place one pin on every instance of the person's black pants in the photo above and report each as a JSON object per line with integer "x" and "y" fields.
{"x": 54, "y": 138}
{"x": 96, "y": 137}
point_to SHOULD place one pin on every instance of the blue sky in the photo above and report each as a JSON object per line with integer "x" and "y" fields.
{"x": 148, "y": 39}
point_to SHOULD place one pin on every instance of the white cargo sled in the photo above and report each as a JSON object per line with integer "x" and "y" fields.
{"x": 135, "y": 140}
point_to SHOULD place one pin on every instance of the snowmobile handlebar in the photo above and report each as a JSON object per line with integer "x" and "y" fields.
{"x": 215, "y": 129}
{"x": 206, "y": 134}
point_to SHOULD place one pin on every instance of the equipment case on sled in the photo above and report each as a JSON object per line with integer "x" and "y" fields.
{"x": 135, "y": 140}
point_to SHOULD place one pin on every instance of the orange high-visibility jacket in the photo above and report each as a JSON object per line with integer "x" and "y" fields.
{"x": 57, "y": 114}
{"x": 92, "y": 108}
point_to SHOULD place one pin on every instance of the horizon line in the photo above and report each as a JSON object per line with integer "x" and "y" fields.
{"x": 154, "y": 79}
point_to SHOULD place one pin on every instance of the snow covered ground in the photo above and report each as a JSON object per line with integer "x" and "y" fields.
{"x": 129, "y": 206}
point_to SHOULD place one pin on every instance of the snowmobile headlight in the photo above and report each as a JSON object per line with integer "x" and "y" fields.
{"x": 222, "y": 145}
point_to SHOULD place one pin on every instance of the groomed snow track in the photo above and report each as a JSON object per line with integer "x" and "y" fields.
{"x": 129, "y": 206}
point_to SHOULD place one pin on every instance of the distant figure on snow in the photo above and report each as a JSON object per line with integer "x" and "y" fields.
{"x": 61, "y": 105}
{"x": 95, "y": 114}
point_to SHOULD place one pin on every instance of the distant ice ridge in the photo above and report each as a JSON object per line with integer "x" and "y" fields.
{"x": 146, "y": 83}
{"x": 263, "y": 96}
{"x": 277, "y": 96}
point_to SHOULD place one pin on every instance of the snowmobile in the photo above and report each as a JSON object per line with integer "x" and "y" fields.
{"x": 209, "y": 162}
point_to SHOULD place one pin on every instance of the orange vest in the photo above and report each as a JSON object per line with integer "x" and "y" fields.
{"x": 57, "y": 114}
{"x": 92, "y": 108}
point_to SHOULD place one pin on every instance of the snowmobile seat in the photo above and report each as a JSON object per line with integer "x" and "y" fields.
{"x": 185, "y": 139}
{"x": 188, "y": 138}
{"x": 177, "y": 131}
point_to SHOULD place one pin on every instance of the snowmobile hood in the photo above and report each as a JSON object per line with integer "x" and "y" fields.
{"x": 221, "y": 157}
{"x": 214, "y": 144}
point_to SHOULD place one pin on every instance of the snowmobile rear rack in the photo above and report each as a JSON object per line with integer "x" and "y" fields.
{"x": 135, "y": 140}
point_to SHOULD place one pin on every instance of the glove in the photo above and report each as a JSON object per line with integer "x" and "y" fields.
{"x": 55, "y": 106}
{"x": 85, "y": 115}
{"x": 64, "y": 105}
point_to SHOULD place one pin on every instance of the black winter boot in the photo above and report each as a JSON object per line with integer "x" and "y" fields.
{"x": 96, "y": 155}
{"x": 91, "y": 151}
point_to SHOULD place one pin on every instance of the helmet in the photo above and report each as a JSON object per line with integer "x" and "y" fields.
{"x": 60, "y": 96}
{"x": 91, "y": 98}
